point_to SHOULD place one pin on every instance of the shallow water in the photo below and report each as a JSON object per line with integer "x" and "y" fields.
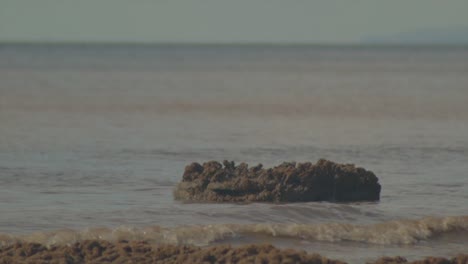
{"x": 94, "y": 138}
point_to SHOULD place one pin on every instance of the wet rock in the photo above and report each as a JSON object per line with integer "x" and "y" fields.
{"x": 390, "y": 260}
{"x": 98, "y": 251}
{"x": 460, "y": 259}
{"x": 288, "y": 182}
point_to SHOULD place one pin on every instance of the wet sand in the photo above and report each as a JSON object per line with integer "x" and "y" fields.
{"x": 99, "y": 251}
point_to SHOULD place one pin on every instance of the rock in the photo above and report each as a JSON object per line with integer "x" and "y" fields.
{"x": 288, "y": 182}
{"x": 99, "y": 251}
{"x": 390, "y": 260}
{"x": 460, "y": 259}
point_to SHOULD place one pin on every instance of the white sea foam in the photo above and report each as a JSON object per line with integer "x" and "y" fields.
{"x": 386, "y": 233}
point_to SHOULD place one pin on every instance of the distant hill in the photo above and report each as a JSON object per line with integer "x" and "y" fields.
{"x": 453, "y": 36}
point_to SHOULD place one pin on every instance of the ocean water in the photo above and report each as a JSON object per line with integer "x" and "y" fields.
{"x": 93, "y": 139}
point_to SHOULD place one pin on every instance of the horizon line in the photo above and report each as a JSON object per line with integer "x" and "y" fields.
{"x": 226, "y": 43}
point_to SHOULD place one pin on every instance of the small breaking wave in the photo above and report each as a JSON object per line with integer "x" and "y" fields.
{"x": 385, "y": 233}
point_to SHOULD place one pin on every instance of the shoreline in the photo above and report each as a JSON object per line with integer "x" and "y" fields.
{"x": 123, "y": 251}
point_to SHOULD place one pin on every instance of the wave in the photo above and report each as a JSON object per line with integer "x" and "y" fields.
{"x": 385, "y": 233}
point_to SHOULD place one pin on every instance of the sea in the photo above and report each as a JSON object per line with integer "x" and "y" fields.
{"x": 94, "y": 138}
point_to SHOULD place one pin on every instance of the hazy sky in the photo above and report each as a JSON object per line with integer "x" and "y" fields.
{"x": 317, "y": 21}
